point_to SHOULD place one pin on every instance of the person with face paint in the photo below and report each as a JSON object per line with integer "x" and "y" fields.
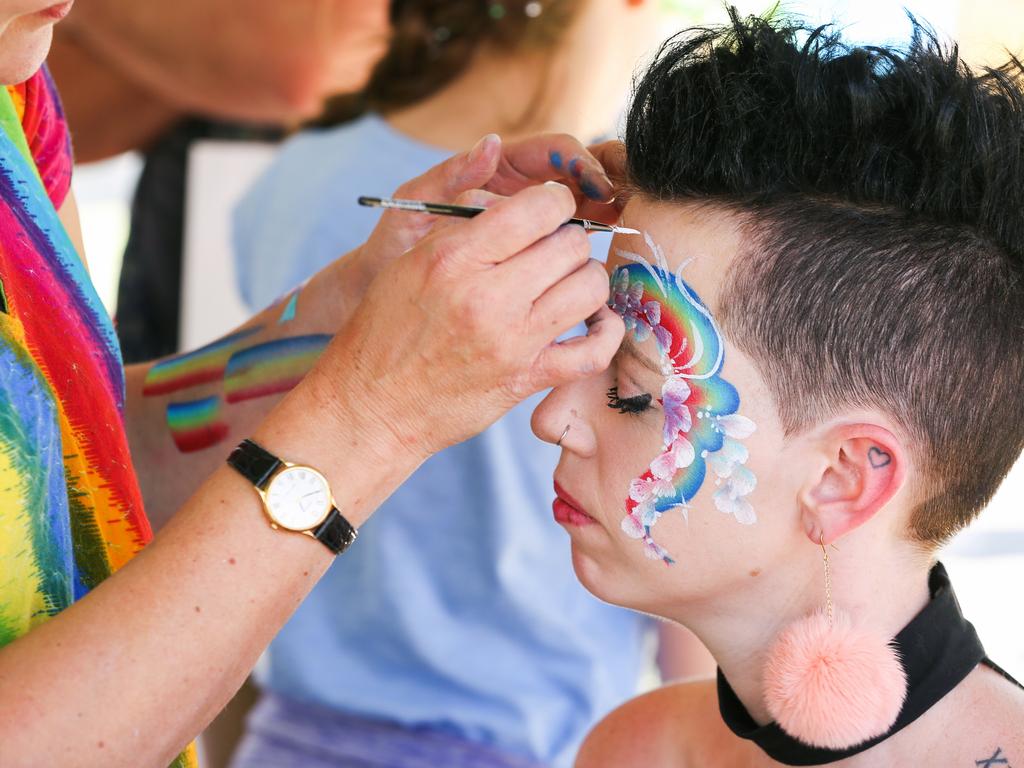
{"x": 818, "y": 386}
{"x": 111, "y": 659}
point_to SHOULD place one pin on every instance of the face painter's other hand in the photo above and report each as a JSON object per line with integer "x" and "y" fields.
{"x": 462, "y": 327}
{"x": 496, "y": 167}
{"x": 612, "y": 157}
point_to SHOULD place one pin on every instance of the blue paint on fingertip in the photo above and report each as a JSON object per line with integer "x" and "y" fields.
{"x": 591, "y": 190}
{"x": 556, "y": 159}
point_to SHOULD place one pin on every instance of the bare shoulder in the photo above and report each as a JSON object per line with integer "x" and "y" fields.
{"x": 995, "y": 719}
{"x": 669, "y": 726}
{"x": 981, "y": 724}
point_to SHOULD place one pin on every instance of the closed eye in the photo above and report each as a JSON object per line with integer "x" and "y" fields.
{"x": 635, "y": 404}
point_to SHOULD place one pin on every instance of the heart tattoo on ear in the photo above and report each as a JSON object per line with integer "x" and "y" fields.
{"x": 878, "y": 458}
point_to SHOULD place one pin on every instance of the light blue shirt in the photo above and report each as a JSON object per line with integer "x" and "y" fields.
{"x": 457, "y": 609}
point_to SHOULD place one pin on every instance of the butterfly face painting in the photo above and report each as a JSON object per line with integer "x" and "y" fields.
{"x": 702, "y": 429}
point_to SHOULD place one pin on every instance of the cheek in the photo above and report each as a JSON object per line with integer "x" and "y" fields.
{"x": 626, "y": 445}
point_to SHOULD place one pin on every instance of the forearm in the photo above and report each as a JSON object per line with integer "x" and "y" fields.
{"x": 165, "y": 413}
{"x": 131, "y": 673}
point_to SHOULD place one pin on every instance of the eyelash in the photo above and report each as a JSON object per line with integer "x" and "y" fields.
{"x": 635, "y": 404}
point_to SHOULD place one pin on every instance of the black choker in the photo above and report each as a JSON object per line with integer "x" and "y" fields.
{"x": 939, "y": 648}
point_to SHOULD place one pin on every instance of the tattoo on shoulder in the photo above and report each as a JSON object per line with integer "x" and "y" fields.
{"x": 996, "y": 760}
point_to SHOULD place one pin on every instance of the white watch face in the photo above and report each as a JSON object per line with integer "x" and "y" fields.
{"x": 298, "y": 498}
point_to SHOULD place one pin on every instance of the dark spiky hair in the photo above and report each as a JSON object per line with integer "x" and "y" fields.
{"x": 882, "y": 190}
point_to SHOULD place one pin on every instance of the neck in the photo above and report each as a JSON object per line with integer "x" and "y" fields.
{"x": 882, "y": 588}
{"x": 519, "y": 94}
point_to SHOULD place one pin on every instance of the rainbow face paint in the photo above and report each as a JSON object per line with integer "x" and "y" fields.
{"x": 272, "y": 367}
{"x": 202, "y": 366}
{"x": 196, "y": 424}
{"x": 702, "y": 428}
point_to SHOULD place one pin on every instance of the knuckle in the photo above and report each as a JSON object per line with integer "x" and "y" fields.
{"x": 445, "y": 250}
{"x": 505, "y": 361}
{"x": 474, "y": 312}
{"x": 516, "y": 388}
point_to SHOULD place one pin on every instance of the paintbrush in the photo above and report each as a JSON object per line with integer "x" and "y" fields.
{"x": 469, "y": 211}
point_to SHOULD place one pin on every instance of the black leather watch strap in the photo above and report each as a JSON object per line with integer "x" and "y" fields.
{"x": 254, "y": 463}
{"x": 335, "y": 532}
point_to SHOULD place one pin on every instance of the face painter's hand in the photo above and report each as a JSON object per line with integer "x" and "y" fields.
{"x": 503, "y": 169}
{"x": 463, "y": 326}
{"x": 556, "y": 157}
{"x": 612, "y": 157}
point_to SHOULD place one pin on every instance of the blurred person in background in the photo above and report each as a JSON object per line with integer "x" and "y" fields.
{"x": 157, "y": 77}
{"x": 410, "y": 656}
{"x": 108, "y": 659}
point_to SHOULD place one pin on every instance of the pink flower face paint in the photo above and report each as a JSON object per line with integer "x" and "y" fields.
{"x": 702, "y": 428}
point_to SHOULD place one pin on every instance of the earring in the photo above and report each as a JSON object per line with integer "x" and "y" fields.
{"x": 831, "y": 683}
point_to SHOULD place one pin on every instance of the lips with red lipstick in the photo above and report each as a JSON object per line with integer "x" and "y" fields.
{"x": 568, "y": 511}
{"x": 58, "y": 10}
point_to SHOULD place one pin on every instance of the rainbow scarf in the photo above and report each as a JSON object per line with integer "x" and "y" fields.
{"x": 71, "y": 511}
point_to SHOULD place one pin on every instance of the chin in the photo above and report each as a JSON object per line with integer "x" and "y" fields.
{"x": 587, "y": 571}
{"x": 600, "y": 581}
{"x": 23, "y": 53}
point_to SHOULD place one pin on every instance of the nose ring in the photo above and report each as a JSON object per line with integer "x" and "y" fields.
{"x": 564, "y": 433}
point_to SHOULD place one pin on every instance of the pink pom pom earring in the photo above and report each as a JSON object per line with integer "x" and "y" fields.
{"x": 831, "y": 683}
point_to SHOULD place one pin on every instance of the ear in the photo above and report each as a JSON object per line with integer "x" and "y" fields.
{"x": 864, "y": 466}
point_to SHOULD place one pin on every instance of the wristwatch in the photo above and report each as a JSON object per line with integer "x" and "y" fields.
{"x": 295, "y": 497}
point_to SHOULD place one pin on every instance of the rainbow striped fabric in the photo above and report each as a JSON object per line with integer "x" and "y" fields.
{"x": 70, "y": 508}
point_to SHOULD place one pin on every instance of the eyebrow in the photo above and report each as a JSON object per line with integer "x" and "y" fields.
{"x": 629, "y": 347}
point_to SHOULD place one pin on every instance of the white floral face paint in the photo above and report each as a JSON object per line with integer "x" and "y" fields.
{"x": 703, "y": 429}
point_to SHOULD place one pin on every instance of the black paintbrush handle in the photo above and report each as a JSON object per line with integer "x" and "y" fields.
{"x": 462, "y": 211}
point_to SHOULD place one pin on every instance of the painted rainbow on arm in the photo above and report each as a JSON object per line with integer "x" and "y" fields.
{"x": 196, "y": 424}
{"x": 191, "y": 369}
{"x": 272, "y": 367}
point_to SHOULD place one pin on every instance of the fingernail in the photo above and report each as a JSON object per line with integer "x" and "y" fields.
{"x": 556, "y": 159}
{"x": 555, "y": 184}
{"x": 591, "y": 190}
{"x": 480, "y": 147}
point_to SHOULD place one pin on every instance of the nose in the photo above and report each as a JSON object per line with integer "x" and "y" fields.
{"x": 559, "y": 420}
